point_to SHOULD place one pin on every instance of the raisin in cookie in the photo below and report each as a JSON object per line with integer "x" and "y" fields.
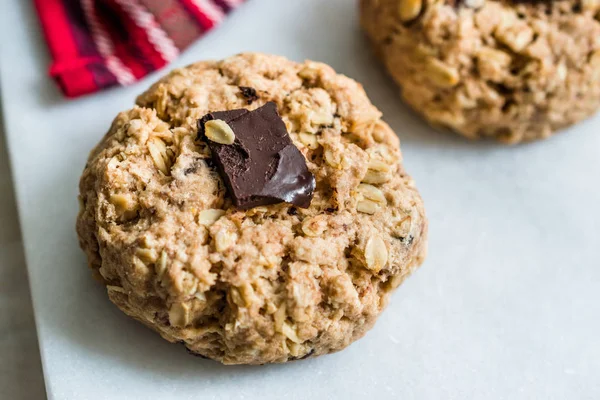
{"x": 182, "y": 246}
{"x": 512, "y": 70}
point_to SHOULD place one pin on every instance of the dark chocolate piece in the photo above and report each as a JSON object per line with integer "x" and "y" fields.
{"x": 262, "y": 166}
{"x": 249, "y": 94}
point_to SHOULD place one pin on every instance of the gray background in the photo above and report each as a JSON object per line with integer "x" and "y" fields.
{"x": 20, "y": 368}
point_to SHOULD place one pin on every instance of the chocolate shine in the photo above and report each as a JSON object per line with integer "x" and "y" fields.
{"x": 262, "y": 166}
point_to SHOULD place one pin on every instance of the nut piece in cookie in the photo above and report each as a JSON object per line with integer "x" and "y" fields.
{"x": 219, "y": 131}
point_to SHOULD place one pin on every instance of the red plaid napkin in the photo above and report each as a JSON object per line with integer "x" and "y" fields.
{"x": 100, "y": 43}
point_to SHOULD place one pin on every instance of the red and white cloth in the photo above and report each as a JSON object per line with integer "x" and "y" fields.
{"x": 96, "y": 44}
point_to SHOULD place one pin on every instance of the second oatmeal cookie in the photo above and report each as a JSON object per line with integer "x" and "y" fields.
{"x": 511, "y": 70}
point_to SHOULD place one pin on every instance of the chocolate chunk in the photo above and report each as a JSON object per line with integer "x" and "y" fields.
{"x": 196, "y": 164}
{"x": 190, "y": 170}
{"x": 249, "y": 94}
{"x": 262, "y": 166}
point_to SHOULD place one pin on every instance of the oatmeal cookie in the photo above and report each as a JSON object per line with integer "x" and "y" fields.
{"x": 166, "y": 229}
{"x": 514, "y": 70}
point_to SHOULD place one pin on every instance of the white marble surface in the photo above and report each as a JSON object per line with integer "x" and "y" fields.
{"x": 505, "y": 307}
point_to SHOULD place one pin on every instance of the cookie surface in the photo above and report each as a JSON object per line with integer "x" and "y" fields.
{"x": 512, "y": 70}
{"x": 272, "y": 283}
